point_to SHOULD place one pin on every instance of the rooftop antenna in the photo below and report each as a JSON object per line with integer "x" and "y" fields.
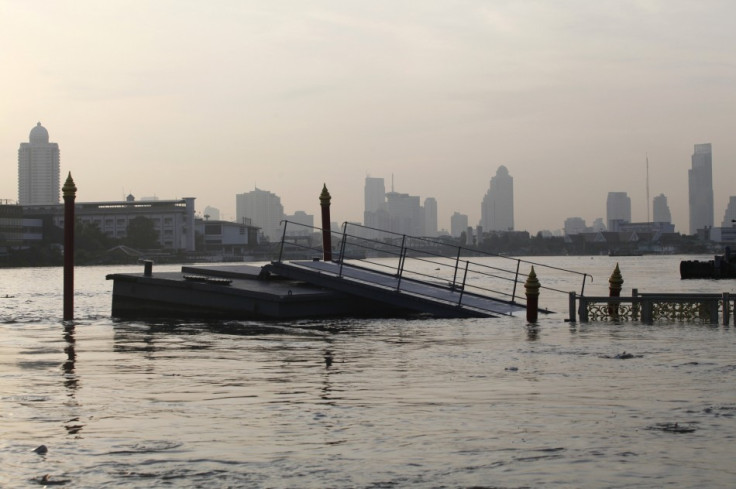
{"x": 647, "y": 155}
{"x": 392, "y": 183}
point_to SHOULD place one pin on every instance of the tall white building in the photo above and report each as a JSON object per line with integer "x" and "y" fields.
{"x": 618, "y": 209}
{"x": 38, "y": 169}
{"x": 661, "y": 211}
{"x": 497, "y": 208}
{"x": 264, "y": 210}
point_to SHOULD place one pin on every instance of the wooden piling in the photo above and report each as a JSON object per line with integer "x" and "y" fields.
{"x": 324, "y": 201}
{"x": 532, "y": 296}
{"x": 69, "y": 191}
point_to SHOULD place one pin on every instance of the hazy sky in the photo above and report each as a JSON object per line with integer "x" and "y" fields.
{"x": 178, "y": 98}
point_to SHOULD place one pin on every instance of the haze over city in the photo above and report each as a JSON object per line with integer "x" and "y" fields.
{"x": 175, "y": 99}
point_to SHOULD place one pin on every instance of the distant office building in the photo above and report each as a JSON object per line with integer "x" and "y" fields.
{"x": 405, "y": 214}
{"x": 38, "y": 169}
{"x": 264, "y": 210}
{"x": 211, "y": 214}
{"x": 497, "y": 208}
{"x": 458, "y": 224}
{"x": 575, "y": 225}
{"x": 301, "y": 224}
{"x": 598, "y": 225}
{"x": 618, "y": 209}
{"x": 700, "y": 185}
{"x": 730, "y": 215}
{"x": 430, "y": 217}
{"x": 661, "y": 211}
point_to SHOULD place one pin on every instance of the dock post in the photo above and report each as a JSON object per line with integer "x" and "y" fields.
{"x": 571, "y": 306}
{"x": 70, "y": 193}
{"x": 324, "y": 202}
{"x": 532, "y": 296}
{"x": 726, "y": 308}
{"x": 614, "y": 290}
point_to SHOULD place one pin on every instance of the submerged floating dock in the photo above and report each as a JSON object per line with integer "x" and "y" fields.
{"x": 375, "y": 273}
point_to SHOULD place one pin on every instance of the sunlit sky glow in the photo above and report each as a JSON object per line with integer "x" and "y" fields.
{"x": 178, "y": 98}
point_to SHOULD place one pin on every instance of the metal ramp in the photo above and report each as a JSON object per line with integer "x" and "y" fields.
{"x": 413, "y": 273}
{"x": 436, "y": 298}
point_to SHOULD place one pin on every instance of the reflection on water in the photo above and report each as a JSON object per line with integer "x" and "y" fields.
{"x": 360, "y": 403}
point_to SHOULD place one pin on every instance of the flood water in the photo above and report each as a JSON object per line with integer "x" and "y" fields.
{"x": 364, "y": 403}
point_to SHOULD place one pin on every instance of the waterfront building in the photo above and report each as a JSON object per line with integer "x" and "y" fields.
{"x": 231, "y": 240}
{"x": 497, "y": 208}
{"x": 17, "y": 230}
{"x": 264, "y": 210}
{"x": 173, "y": 220}
{"x": 618, "y": 210}
{"x": 458, "y": 224}
{"x": 661, "y": 211}
{"x": 700, "y": 186}
{"x": 38, "y": 169}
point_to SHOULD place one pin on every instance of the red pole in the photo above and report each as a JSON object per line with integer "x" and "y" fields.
{"x": 70, "y": 192}
{"x": 532, "y": 297}
{"x": 324, "y": 201}
{"x": 615, "y": 282}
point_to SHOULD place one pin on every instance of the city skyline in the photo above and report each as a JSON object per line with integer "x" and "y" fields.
{"x": 176, "y": 100}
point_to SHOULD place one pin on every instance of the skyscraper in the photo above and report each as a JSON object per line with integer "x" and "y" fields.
{"x": 700, "y": 185}
{"x": 661, "y": 209}
{"x": 38, "y": 169}
{"x": 375, "y": 194}
{"x": 618, "y": 209}
{"x": 730, "y": 214}
{"x": 497, "y": 208}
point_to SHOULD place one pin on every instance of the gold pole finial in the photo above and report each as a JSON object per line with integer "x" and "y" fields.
{"x": 69, "y": 189}
{"x": 324, "y": 197}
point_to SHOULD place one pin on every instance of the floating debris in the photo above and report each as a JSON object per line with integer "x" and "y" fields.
{"x": 622, "y": 356}
{"x": 41, "y": 449}
{"x": 672, "y": 428}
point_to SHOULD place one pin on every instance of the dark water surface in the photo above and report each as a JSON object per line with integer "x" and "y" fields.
{"x": 363, "y": 403}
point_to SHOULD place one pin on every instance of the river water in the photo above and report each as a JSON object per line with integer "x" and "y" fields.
{"x": 364, "y": 403}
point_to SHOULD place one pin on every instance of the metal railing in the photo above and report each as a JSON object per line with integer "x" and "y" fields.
{"x": 430, "y": 260}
